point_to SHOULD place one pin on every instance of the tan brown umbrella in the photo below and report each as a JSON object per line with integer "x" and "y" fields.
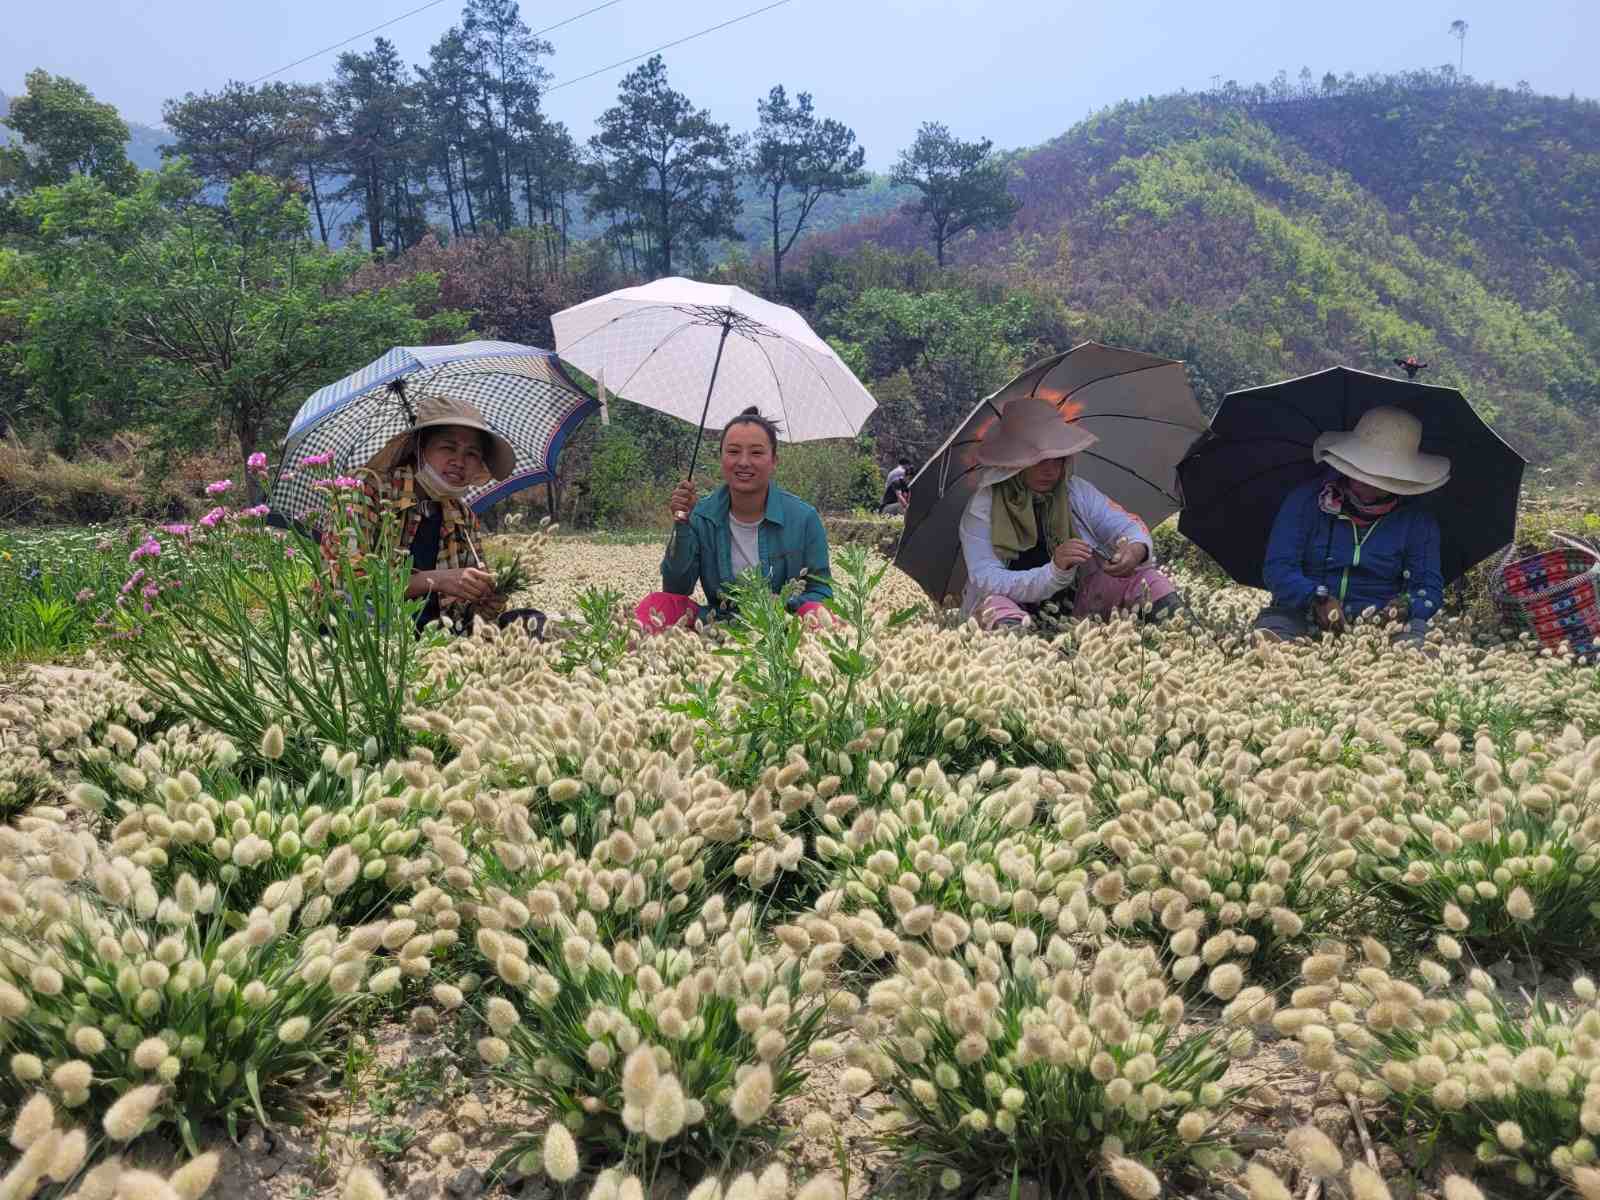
{"x": 1140, "y": 409}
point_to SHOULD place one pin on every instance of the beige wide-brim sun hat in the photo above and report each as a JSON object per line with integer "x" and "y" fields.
{"x": 434, "y": 412}
{"x": 1030, "y": 431}
{"x": 1383, "y": 450}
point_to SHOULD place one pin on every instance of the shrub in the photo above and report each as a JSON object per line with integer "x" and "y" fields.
{"x": 177, "y": 805}
{"x": 1463, "y": 1069}
{"x": 1031, "y": 1061}
{"x": 111, "y": 984}
{"x": 1502, "y": 855}
{"x": 51, "y": 1153}
{"x": 653, "y": 1052}
{"x": 258, "y": 629}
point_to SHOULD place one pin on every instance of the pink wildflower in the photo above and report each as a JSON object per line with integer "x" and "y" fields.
{"x": 149, "y": 549}
{"x": 288, "y": 551}
{"x": 257, "y": 462}
{"x": 179, "y": 530}
{"x": 255, "y": 510}
{"x": 209, "y": 521}
{"x": 220, "y": 486}
{"x": 132, "y": 581}
{"x": 150, "y": 591}
{"x": 317, "y": 460}
{"x": 346, "y": 482}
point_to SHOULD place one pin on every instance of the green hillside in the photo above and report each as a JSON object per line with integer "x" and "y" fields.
{"x": 1268, "y": 232}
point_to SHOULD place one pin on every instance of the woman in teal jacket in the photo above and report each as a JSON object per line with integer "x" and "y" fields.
{"x": 747, "y": 523}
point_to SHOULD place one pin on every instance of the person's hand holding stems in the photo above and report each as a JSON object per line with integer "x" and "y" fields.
{"x": 1127, "y": 559}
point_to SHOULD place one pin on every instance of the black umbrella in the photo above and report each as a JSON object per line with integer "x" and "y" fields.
{"x": 1258, "y": 450}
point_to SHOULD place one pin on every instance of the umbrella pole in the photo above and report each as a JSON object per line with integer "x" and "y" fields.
{"x": 672, "y": 542}
{"x": 706, "y": 411}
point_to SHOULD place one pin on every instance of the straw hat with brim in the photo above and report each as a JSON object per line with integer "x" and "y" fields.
{"x": 1382, "y": 450}
{"x": 435, "y": 412}
{"x": 1031, "y": 431}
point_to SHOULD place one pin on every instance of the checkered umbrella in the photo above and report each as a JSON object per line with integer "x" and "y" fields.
{"x": 523, "y": 392}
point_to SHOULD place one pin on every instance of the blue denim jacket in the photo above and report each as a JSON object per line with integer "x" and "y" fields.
{"x": 791, "y": 540}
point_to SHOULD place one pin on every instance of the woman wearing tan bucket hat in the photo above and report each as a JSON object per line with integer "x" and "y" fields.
{"x": 1355, "y": 538}
{"x": 421, "y": 475}
{"x": 1034, "y": 533}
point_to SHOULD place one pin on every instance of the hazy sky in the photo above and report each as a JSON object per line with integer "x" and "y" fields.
{"x": 1019, "y": 71}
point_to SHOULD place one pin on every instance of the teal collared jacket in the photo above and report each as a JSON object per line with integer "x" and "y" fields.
{"x": 792, "y": 543}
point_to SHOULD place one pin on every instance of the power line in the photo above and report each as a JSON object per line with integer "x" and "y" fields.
{"x": 329, "y": 49}
{"x": 396, "y": 20}
{"x": 756, "y": 12}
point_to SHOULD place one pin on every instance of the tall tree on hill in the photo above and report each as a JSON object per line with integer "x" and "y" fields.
{"x": 375, "y": 131}
{"x": 64, "y": 132}
{"x": 547, "y": 168}
{"x": 666, "y": 164}
{"x": 963, "y": 186}
{"x": 1458, "y": 30}
{"x": 799, "y": 158}
{"x": 277, "y": 129}
{"x": 509, "y": 80}
{"x": 449, "y": 84}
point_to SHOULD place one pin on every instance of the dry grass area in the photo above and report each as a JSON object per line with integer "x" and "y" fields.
{"x": 1107, "y": 911}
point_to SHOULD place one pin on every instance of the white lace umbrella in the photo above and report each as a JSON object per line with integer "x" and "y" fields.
{"x": 705, "y": 352}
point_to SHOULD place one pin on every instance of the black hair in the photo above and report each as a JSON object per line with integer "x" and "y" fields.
{"x": 752, "y": 416}
{"x": 421, "y": 438}
{"x": 903, "y": 461}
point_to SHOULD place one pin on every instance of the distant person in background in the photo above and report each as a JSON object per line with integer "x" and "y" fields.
{"x": 749, "y": 523}
{"x": 1033, "y": 533}
{"x": 896, "y": 490}
{"x": 1356, "y": 537}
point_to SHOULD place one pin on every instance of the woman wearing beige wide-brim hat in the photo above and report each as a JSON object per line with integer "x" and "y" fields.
{"x": 1033, "y": 532}
{"x": 1357, "y": 537}
{"x": 420, "y": 476}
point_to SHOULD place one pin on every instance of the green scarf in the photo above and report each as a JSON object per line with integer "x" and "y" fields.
{"x": 1013, "y": 528}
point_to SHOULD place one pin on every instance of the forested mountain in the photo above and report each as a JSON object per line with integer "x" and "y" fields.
{"x": 1266, "y": 232}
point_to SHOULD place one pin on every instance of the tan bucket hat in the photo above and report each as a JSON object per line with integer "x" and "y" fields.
{"x": 1383, "y": 450}
{"x": 436, "y": 411}
{"x": 1029, "y": 431}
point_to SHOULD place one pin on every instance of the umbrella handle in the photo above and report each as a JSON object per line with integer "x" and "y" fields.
{"x": 705, "y": 411}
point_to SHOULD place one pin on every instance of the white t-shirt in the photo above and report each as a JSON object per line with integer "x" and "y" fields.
{"x": 746, "y": 544}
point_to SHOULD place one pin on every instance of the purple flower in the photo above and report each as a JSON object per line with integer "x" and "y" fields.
{"x": 255, "y": 510}
{"x": 317, "y": 460}
{"x": 132, "y": 581}
{"x": 257, "y": 462}
{"x": 288, "y": 551}
{"x": 346, "y": 482}
{"x": 209, "y": 521}
{"x": 220, "y": 486}
{"x": 179, "y": 530}
{"x": 149, "y": 549}
{"x": 150, "y": 591}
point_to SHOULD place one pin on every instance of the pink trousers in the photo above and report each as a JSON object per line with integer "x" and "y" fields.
{"x": 1098, "y": 595}
{"x": 663, "y": 610}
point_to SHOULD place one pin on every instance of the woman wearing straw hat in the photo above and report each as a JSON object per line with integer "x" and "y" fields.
{"x": 1356, "y": 537}
{"x": 1033, "y": 532}
{"x": 420, "y": 475}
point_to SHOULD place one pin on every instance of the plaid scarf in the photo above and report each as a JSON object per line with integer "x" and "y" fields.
{"x": 397, "y": 492}
{"x": 1337, "y": 501}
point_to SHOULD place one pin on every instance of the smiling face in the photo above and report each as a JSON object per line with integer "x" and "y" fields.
{"x": 1042, "y": 477}
{"x": 748, "y": 459}
{"x": 455, "y": 452}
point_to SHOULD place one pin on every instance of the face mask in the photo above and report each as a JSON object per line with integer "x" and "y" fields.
{"x": 437, "y": 486}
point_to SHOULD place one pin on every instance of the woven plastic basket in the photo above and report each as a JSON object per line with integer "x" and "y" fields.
{"x": 1555, "y": 594}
